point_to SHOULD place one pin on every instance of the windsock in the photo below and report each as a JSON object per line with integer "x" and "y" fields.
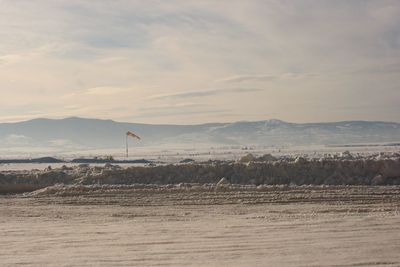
{"x": 129, "y": 133}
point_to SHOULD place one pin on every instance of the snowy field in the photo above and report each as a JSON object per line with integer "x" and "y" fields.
{"x": 172, "y": 155}
{"x": 99, "y": 215}
{"x": 304, "y": 226}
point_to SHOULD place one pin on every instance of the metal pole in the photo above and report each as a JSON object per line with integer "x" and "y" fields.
{"x": 126, "y": 146}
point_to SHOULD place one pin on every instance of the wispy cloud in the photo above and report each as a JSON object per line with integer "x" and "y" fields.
{"x": 106, "y": 90}
{"x": 265, "y": 77}
{"x": 204, "y": 93}
{"x": 115, "y": 59}
{"x": 378, "y": 69}
{"x": 183, "y": 113}
{"x": 175, "y": 106}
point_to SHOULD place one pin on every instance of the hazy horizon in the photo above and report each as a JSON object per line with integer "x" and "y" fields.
{"x": 206, "y": 122}
{"x": 193, "y": 62}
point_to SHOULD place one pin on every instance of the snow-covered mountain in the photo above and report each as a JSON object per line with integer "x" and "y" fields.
{"x": 80, "y": 133}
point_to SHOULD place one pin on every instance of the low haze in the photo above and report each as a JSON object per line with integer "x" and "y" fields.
{"x": 192, "y": 62}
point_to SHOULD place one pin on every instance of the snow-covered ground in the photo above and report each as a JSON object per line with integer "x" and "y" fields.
{"x": 98, "y": 215}
{"x": 170, "y": 154}
{"x": 342, "y": 226}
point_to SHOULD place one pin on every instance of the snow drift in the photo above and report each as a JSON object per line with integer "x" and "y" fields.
{"x": 299, "y": 171}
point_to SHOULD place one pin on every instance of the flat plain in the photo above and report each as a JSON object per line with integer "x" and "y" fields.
{"x": 271, "y": 226}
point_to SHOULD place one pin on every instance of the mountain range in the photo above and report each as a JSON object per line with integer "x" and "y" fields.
{"x": 83, "y": 133}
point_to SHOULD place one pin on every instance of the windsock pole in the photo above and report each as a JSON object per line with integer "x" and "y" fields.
{"x": 130, "y": 134}
{"x": 126, "y": 145}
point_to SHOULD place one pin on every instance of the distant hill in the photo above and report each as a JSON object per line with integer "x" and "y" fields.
{"x": 81, "y": 133}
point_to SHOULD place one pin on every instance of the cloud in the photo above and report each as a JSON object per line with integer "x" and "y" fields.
{"x": 265, "y": 77}
{"x": 175, "y": 106}
{"x": 10, "y": 59}
{"x": 204, "y": 93}
{"x": 242, "y": 78}
{"x": 114, "y": 59}
{"x": 378, "y": 69}
{"x": 17, "y": 140}
{"x": 183, "y": 113}
{"x": 182, "y": 109}
{"x": 106, "y": 91}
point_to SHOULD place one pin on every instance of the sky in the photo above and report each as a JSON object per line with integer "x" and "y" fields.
{"x": 189, "y": 62}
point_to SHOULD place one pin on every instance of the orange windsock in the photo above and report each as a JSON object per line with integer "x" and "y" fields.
{"x": 129, "y": 133}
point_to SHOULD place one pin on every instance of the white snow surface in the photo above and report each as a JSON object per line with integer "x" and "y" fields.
{"x": 311, "y": 227}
